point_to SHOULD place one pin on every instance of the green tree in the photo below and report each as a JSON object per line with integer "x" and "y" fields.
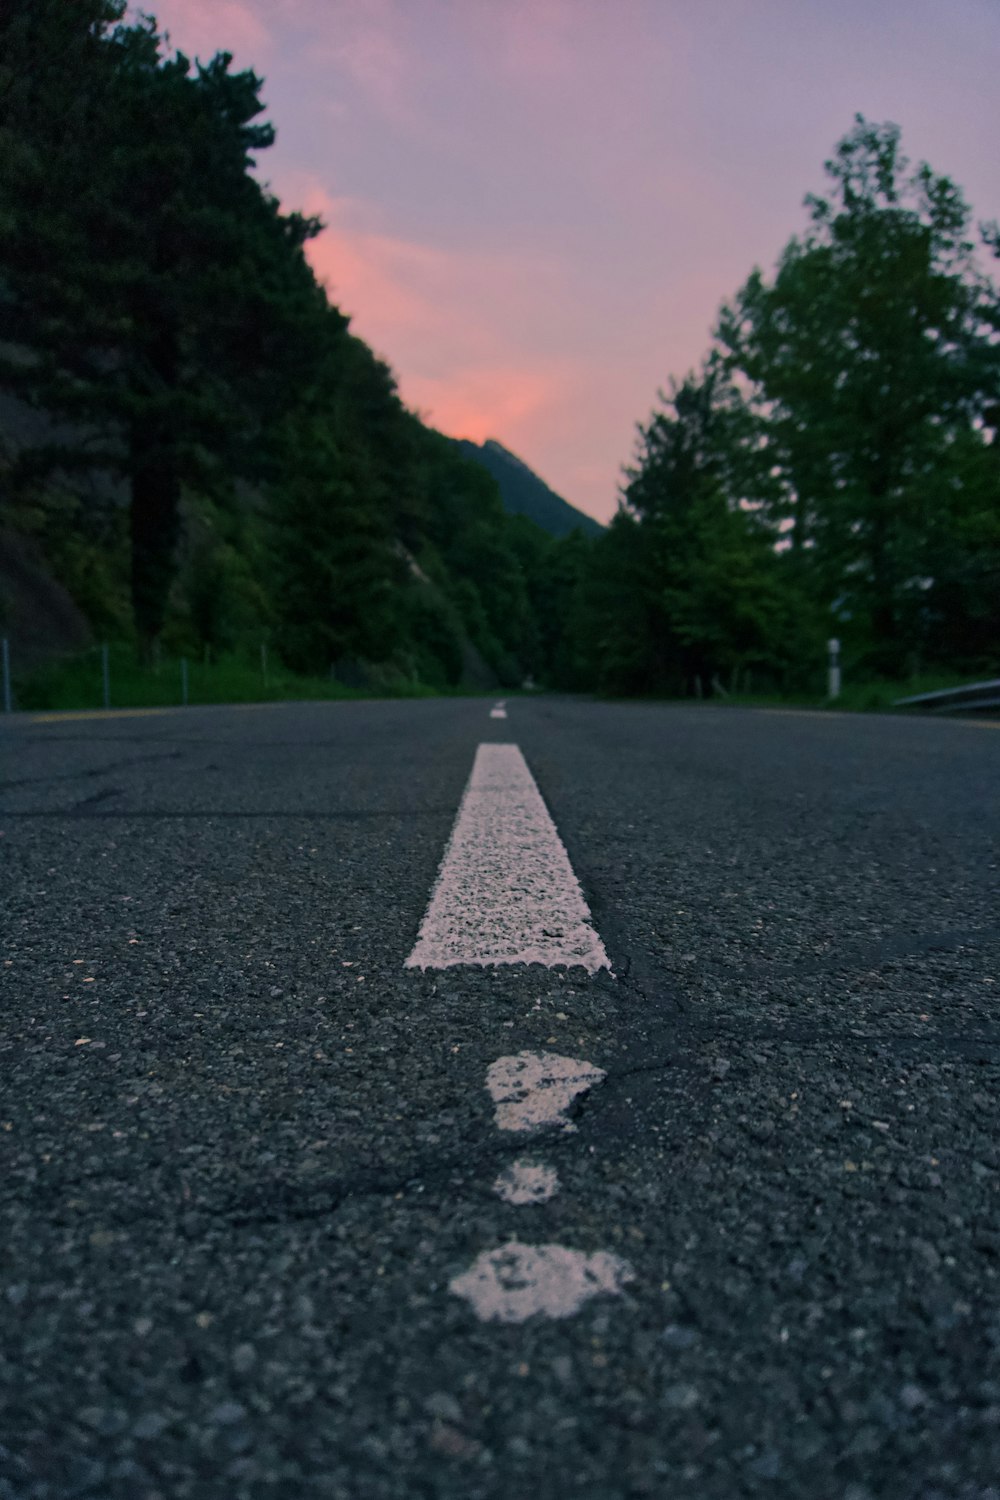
{"x": 336, "y": 570}
{"x": 253, "y": 463}
{"x": 701, "y": 592}
{"x": 151, "y": 286}
{"x": 869, "y": 359}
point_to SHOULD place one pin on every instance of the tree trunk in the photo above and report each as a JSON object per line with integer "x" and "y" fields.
{"x": 155, "y": 523}
{"x": 885, "y": 626}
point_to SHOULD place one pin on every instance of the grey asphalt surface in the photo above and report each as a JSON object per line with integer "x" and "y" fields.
{"x": 243, "y": 1151}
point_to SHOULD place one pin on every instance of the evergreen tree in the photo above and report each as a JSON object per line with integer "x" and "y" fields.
{"x": 708, "y": 593}
{"x": 153, "y": 294}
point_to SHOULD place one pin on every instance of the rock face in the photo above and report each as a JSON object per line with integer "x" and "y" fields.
{"x": 37, "y": 614}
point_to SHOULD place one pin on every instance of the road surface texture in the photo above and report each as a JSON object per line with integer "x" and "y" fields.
{"x": 267, "y": 1230}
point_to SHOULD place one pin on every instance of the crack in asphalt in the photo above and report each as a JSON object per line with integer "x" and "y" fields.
{"x": 876, "y": 955}
{"x": 94, "y": 798}
{"x": 279, "y": 1200}
{"x": 972, "y": 1045}
{"x": 116, "y": 765}
{"x": 284, "y": 1199}
{"x": 635, "y": 977}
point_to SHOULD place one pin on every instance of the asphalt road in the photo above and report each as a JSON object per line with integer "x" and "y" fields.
{"x": 244, "y": 1151}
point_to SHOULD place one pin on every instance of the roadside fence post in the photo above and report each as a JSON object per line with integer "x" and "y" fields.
{"x": 184, "y": 680}
{"x": 105, "y": 675}
{"x": 6, "y": 676}
{"x": 833, "y": 668}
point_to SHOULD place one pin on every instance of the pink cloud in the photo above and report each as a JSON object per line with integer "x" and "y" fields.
{"x": 496, "y": 400}
{"x": 363, "y": 276}
{"x": 434, "y": 307}
{"x": 201, "y": 29}
{"x": 457, "y": 326}
{"x": 368, "y": 47}
{"x": 461, "y": 330}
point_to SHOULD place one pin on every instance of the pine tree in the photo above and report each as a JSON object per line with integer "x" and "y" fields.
{"x": 155, "y": 298}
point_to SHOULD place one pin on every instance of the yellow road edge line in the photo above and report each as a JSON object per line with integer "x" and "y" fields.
{"x": 73, "y": 715}
{"x": 805, "y": 713}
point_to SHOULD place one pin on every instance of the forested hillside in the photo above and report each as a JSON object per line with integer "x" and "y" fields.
{"x": 207, "y": 460}
{"x": 524, "y": 494}
{"x": 206, "y": 455}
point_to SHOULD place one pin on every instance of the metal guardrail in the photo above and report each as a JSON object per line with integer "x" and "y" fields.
{"x": 969, "y": 698}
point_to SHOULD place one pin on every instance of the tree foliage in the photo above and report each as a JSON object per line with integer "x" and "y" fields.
{"x": 870, "y": 361}
{"x": 209, "y": 454}
{"x": 162, "y": 322}
{"x": 832, "y": 470}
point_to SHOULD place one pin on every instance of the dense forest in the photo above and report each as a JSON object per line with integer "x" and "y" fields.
{"x": 208, "y": 458}
{"x": 205, "y": 453}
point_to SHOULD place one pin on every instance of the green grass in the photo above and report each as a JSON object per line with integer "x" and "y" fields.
{"x": 872, "y": 696}
{"x": 865, "y": 696}
{"x": 77, "y": 684}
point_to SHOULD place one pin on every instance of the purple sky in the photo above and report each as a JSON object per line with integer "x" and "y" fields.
{"x": 535, "y": 207}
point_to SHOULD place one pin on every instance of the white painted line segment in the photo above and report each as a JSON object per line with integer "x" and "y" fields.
{"x": 533, "y": 1090}
{"x": 527, "y": 1182}
{"x": 506, "y": 892}
{"x": 517, "y": 1281}
{"x": 498, "y": 713}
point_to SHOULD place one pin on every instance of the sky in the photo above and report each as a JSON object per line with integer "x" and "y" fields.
{"x": 534, "y": 208}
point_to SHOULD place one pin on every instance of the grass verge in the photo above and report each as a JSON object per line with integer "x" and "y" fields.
{"x": 78, "y": 683}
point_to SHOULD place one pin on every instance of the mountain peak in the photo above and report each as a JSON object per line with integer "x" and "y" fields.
{"x": 523, "y": 493}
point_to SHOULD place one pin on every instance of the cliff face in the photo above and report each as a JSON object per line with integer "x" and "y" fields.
{"x": 37, "y": 615}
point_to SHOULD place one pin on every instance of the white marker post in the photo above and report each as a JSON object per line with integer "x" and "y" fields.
{"x": 833, "y": 668}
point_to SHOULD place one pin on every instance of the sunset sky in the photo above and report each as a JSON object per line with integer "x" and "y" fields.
{"x": 535, "y": 207}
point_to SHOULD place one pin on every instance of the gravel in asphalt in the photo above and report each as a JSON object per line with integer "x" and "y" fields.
{"x": 246, "y": 1153}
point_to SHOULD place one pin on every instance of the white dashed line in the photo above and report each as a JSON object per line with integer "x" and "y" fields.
{"x": 506, "y": 892}
{"x": 517, "y": 1281}
{"x": 498, "y": 713}
{"x": 533, "y": 1090}
{"x": 527, "y": 1182}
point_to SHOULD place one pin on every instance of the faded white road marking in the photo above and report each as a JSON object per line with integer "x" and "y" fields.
{"x": 517, "y": 1281}
{"x": 533, "y": 1090}
{"x": 506, "y": 892}
{"x": 527, "y": 1182}
{"x": 498, "y": 713}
